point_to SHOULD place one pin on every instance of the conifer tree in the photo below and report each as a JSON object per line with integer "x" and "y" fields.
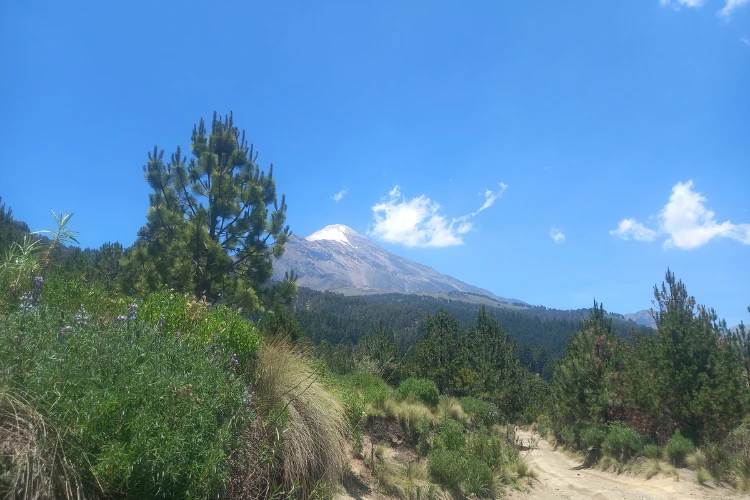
{"x": 214, "y": 223}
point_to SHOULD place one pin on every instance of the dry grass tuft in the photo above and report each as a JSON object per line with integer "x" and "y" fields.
{"x": 451, "y": 408}
{"x": 301, "y": 432}
{"x": 31, "y": 456}
{"x": 696, "y": 460}
{"x": 703, "y": 476}
{"x": 409, "y": 411}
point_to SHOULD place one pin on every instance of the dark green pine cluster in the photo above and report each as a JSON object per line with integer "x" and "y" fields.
{"x": 214, "y": 223}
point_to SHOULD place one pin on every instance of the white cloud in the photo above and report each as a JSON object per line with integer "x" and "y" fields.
{"x": 681, "y": 3}
{"x": 730, "y": 7}
{"x": 685, "y": 222}
{"x": 557, "y": 235}
{"x": 339, "y": 195}
{"x": 418, "y": 223}
{"x": 629, "y": 228}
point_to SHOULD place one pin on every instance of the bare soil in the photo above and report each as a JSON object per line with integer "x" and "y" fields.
{"x": 563, "y": 477}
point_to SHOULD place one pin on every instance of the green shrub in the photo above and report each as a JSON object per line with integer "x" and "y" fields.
{"x": 423, "y": 389}
{"x": 593, "y": 437}
{"x": 677, "y": 449}
{"x": 374, "y": 390}
{"x": 569, "y": 436}
{"x": 493, "y": 450}
{"x": 197, "y": 322}
{"x": 651, "y": 451}
{"x": 479, "y": 480}
{"x": 450, "y": 436}
{"x": 482, "y": 411}
{"x": 138, "y": 412}
{"x": 448, "y": 467}
{"x": 622, "y": 443}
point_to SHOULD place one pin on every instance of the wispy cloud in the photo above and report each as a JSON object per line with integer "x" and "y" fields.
{"x": 730, "y": 7}
{"x": 630, "y": 228}
{"x": 682, "y": 3}
{"x": 557, "y": 235}
{"x": 339, "y": 195}
{"x": 417, "y": 222}
{"x": 745, "y": 40}
{"x": 726, "y": 12}
{"x": 685, "y": 222}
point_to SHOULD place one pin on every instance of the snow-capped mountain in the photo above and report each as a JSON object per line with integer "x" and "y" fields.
{"x": 339, "y": 259}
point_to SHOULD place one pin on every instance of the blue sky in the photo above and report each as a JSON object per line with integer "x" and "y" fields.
{"x": 606, "y": 141}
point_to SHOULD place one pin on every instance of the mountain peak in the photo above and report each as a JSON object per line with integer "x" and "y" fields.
{"x": 334, "y": 232}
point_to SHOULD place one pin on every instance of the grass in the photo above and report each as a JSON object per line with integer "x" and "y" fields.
{"x": 449, "y": 407}
{"x": 301, "y": 434}
{"x": 35, "y": 465}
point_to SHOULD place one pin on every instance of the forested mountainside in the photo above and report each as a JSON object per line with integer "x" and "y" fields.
{"x": 541, "y": 333}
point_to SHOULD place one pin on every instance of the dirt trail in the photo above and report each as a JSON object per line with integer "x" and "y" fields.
{"x": 561, "y": 477}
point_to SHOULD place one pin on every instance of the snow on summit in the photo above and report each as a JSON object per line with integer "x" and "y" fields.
{"x": 335, "y": 232}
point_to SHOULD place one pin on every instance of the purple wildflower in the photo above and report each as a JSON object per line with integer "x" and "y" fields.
{"x": 160, "y": 324}
{"x": 36, "y": 287}
{"x": 82, "y": 318}
{"x": 132, "y": 311}
{"x": 64, "y": 330}
{"x": 234, "y": 362}
{"x": 26, "y": 302}
{"x": 119, "y": 319}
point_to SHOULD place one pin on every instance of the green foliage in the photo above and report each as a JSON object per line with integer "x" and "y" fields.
{"x": 214, "y": 224}
{"x": 622, "y": 443}
{"x": 448, "y": 467}
{"x": 373, "y": 390}
{"x": 481, "y": 411}
{"x": 280, "y": 322}
{"x": 378, "y": 348}
{"x": 137, "y": 411}
{"x": 588, "y": 377}
{"x": 651, "y": 451}
{"x": 197, "y": 322}
{"x": 493, "y": 450}
{"x": 677, "y": 449}
{"x": 479, "y": 480}
{"x": 594, "y": 436}
{"x": 422, "y": 389}
{"x": 450, "y": 436}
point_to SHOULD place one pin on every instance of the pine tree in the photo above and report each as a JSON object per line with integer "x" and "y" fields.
{"x": 214, "y": 224}
{"x": 696, "y": 365}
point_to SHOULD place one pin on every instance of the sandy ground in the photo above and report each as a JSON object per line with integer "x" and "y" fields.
{"x": 561, "y": 477}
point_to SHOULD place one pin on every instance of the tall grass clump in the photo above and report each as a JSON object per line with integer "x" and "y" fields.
{"x": 32, "y": 461}
{"x": 677, "y": 449}
{"x": 423, "y": 389}
{"x": 300, "y": 437}
{"x": 135, "y": 412}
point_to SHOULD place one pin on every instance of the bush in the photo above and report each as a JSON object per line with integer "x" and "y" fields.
{"x": 484, "y": 412}
{"x": 677, "y": 449}
{"x": 622, "y": 443}
{"x": 423, "y": 389}
{"x": 568, "y": 434}
{"x": 137, "y": 412}
{"x": 493, "y": 450}
{"x": 373, "y": 389}
{"x": 197, "y": 322}
{"x": 593, "y": 437}
{"x": 448, "y": 467}
{"x": 450, "y": 436}
{"x": 651, "y": 451}
{"x": 479, "y": 480}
